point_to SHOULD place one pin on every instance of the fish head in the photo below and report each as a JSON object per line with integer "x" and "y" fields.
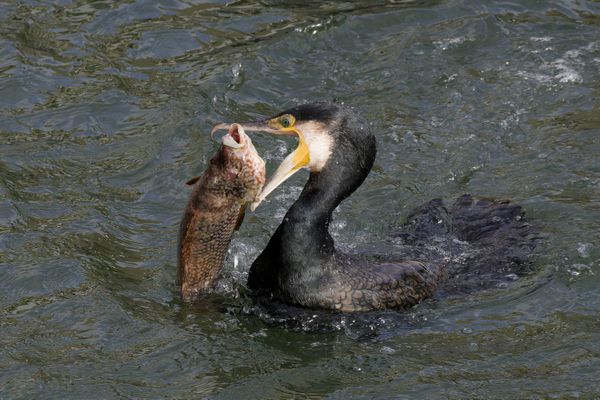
{"x": 241, "y": 167}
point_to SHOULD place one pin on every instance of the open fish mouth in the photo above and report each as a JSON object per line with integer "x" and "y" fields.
{"x": 234, "y": 137}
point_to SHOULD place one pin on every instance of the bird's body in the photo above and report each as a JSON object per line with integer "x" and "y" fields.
{"x": 301, "y": 265}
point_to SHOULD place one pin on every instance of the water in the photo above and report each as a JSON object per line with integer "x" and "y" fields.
{"x": 104, "y": 113}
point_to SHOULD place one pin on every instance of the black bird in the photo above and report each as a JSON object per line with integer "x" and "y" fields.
{"x": 474, "y": 240}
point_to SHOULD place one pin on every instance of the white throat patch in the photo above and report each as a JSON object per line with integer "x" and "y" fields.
{"x": 319, "y": 144}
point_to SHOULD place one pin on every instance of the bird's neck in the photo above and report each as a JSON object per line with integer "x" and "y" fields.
{"x": 305, "y": 228}
{"x": 302, "y": 242}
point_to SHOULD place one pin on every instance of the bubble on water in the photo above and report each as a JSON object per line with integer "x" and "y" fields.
{"x": 387, "y": 350}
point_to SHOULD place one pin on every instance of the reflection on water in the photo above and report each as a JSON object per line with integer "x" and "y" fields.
{"x": 104, "y": 112}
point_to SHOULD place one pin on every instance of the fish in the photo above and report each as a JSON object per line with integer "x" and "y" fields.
{"x": 215, "y": 210}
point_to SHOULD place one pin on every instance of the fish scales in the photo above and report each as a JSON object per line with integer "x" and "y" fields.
{"x": 233, "y": 179}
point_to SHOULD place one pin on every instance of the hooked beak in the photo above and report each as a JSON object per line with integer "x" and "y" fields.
{"x": 257, "y": 126}
{"x": 290, "y": 165}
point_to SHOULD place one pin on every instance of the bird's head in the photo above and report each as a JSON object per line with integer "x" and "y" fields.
{"x": 320, "y": 128}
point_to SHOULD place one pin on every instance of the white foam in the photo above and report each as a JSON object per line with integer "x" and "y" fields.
{"x": 445, "y": 44}
{"x": 543, "y": 39}
{"x": 566, "y": 73}
{"x": 565, "y": 69}
{"x": 530, "y": 76}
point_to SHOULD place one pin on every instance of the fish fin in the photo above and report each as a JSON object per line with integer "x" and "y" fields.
{"x": 193, "y": 180}
{"x": 240, "y": 217}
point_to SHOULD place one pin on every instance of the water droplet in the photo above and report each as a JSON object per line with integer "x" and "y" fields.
{"x": 236, "y": 69}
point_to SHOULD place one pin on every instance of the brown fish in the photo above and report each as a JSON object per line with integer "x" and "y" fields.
{"x": 215, "y": 209}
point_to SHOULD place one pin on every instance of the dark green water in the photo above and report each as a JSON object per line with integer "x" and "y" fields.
{"x": 104, "y": 113}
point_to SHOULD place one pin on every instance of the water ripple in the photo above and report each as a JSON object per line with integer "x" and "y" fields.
{"x": 104, "y": 112}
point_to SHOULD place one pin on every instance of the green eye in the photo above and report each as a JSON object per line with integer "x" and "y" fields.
{"x": 284, "y": 121}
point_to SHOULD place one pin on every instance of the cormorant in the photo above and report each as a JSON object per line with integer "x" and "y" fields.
{"x": 301, "y": 265}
